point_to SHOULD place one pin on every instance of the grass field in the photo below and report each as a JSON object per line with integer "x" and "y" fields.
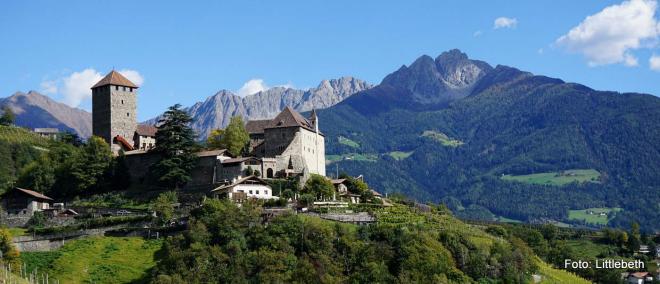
{"x": 351, "y": 157}
{"x": 17, "y": 232}
{"x": 592, "y": 215}
{"x": 98, "y": 260}
{"x": 399, "y": 155}
{"x": 442, "y": 138}
{"x": 506, "y": 220}
{"x": 348, "y": 142}
{"x": 556, "y": 178}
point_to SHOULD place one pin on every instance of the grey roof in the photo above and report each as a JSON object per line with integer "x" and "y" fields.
{"x": 46, "y": 130}
{"x": 211, "y": 153}
{"x": 256, "y": 126}
{"x": 146, "y": 130}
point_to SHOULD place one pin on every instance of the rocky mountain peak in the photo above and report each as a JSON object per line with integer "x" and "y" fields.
{"x": 450, "y": 76}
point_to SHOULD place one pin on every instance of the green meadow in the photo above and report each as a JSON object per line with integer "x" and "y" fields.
{"x": 556, "y": 178}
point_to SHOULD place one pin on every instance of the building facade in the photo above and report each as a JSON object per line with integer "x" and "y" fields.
{"x": 289, "y": 142}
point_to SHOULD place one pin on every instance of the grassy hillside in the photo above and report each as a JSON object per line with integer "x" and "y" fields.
{"x": 598, "y": 216}
{"x": 16, "y": 135}
{"x": 557, "y": 178}
{"x": 550, "y": 275}
{"x": 98, "y": 260}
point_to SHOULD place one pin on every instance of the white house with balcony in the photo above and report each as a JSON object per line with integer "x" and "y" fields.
{"x": 243, "y": 188}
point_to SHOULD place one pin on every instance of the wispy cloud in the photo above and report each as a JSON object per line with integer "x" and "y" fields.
{"x": 477, "y": 33}
{"x": 609, "y": 36}
{"x": 654, "y": 62}
{"x": 256, "y": 85}
{"x": 75, "y": 87}
{"x": 505, "y": 22}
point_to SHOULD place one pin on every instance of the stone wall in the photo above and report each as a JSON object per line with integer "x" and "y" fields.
{"x": 114, "y": 112}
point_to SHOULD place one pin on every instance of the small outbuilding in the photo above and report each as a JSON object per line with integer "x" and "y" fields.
{"x": 20, "y": 201}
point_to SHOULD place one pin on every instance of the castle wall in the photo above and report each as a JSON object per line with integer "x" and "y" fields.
{"x": 101, "y": 113}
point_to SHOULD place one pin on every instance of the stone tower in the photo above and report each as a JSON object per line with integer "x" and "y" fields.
{"x": 114, "y": 111}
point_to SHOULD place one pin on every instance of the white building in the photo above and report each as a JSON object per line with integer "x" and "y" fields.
{"x": 245, "y": 188}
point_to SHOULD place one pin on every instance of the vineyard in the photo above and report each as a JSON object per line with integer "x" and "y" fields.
{"x": 17, "y": 135}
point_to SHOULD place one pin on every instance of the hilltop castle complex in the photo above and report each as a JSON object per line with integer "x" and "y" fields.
{"x": 287, "y": 145}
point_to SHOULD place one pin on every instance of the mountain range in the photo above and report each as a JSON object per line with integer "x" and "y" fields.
{"x": 35, "y": 110}
{"x": 450, "y": 129}
{"x": 457, "y": 130}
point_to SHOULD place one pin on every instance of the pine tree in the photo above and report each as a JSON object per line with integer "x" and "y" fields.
{"x": 175, "y": 141}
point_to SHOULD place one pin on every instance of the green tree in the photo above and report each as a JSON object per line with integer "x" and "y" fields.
{"x": 92, "y": 165}
{"x": 7, "y": 117}
{"x": 121, "y": 174}
{"x": 38, "y": 175}
{"x": 164, "y": 206}
{"x": 10, "y": 254}
{"x": 235, "y": 138}
{"x": 214, "y": 141}
{"x": 175, "y": 141}
{"x": 319, "y": 186}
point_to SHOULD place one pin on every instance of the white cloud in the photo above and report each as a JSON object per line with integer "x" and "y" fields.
{"x": 610, "y": 35}
{"x": 75, "y": 87}
{"x": 654, "y": 62}
{"x": 49, "y": 87}
{"x": 477, "y": 33}
{"x": 504, "y": 22}
{"x": 133, "y": 76}
{"x": 540, "y": 51}
{"x": 251, "y": 87}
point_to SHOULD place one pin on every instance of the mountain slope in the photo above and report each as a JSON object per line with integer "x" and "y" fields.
{"x": 507, "y": 122}
{"x": 36, "y": 110}
{"x": 216, "y": 111}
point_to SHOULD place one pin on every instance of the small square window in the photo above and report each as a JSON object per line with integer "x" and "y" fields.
{"x": 266, "y": 192}
{"x": 250, "y": 191}
{"x": 117, "y": 88}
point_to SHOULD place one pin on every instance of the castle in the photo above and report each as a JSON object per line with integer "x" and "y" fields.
{"x": 114, "y": 115}
{"x": 287, "y": 145}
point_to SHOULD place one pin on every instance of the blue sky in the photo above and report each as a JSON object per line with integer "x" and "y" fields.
{"x": 184, "y": 53}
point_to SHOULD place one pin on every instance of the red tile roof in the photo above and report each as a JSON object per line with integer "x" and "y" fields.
{"x": 34, "y": 193}
{"x": 123, "y": 142}
{"x": 115, "y": 78}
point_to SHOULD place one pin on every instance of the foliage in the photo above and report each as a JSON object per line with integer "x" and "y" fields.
{"x": 235, "y": 138}
{"x": 175, "y": 141}
{"x": 38, "y": 220}
{"x": 164, "y": 207}
{"x": 400, "y": 155}
{"x": 319, "y": 186}
{"x": 225, "y": 243}
{"x": 214, "y": 141}
{"x": 38, "y": 175}
{"x": 111, "y": 200}
{"x": 7, "y": 117}
{"x": 442, "y": 138}
{"x": 10, "y": 255}
{"x": 98, "y": 260}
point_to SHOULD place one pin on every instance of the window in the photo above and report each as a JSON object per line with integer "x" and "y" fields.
{"x": 128, "y": 114}
{"x": 130, "y": 90}
{"x": 250, "y": 191}
{"x": 122, "y": 102}
{"x": 116, "y": 88}
{"x": 266, "y": 192}
{"x": 257, "y": 192}
{"x": 124, "y": 89}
